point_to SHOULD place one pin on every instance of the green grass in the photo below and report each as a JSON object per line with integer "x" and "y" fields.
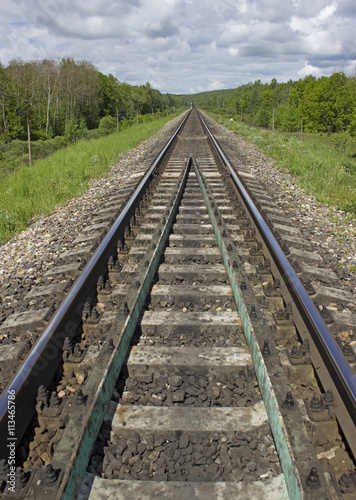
{"x": 63, "y": 175}
{"x": 316, "y": 162}
{"x": 14, "y": 154}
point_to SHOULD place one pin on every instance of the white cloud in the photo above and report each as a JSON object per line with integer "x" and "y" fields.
{"x": 327, "y": 12}
{"x": 233, "y": 51}
{"x": 216, "y": 85}
{"x": 308, "y": 69}
{"x": 235, "y": 32}
{"x": 185, "y": 45}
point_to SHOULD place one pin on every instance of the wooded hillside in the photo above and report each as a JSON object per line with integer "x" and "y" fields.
{"x": 65, "y": 97}
{"x": 327, "y": 104}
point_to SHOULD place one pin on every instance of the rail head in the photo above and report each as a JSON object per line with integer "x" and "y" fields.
{"x": 333, "y": 358}
{"x": 42, "y": 360}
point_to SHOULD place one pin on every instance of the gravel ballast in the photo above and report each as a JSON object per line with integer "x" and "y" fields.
{"x": 31, "y": 253}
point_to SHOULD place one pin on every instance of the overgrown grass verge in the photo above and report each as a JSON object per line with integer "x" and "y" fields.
{"x": 14, "y": 154}
{"x": 64, "y": 175}
{"x": 317, "y": 164}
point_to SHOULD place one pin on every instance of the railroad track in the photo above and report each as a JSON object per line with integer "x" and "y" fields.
{"x": 187, "y": 360}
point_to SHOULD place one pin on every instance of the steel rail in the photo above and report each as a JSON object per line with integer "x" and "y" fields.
{"x": 334, "y": 360}
{"x": 43, "y": 359}
{"x": 73, "y": 452}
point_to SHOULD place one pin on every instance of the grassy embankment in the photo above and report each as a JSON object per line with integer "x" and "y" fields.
{"x": 66, "y": 173}
{"x": 316, "y": 161}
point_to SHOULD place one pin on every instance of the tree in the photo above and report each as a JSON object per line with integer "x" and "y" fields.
{"x": 139, "y": 98}
{"x": 264, "y": 114}
{"x": 4, "y": 96}
{"x": 58, "y": 96}
{"x": 107, "y": 125}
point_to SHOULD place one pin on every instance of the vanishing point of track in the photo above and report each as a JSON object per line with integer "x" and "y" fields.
{"x": 191, "y": 357}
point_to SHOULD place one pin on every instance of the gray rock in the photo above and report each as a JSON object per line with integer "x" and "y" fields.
{"x": 178, "y": 396}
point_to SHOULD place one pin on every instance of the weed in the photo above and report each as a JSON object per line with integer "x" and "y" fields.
{"x": 7, "y": 221}
{"x": 94, "y": 160}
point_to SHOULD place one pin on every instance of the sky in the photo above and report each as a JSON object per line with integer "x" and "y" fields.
{"x": 186, "y": 46}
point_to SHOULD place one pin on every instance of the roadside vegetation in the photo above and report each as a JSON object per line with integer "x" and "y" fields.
{"x": 66, "y": 173}
{"x": 14, "y": 154}
{"x": 321, "y": 162}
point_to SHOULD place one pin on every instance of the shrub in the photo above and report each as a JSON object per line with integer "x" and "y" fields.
{"x": 107, "y": 125}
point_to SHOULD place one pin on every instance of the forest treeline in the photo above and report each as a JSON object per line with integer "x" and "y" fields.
{"x": 69, "y": 98}
{"x": 326, "y": 104}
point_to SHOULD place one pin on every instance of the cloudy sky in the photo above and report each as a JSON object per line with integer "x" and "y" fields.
{"x": 186, "y": 46}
